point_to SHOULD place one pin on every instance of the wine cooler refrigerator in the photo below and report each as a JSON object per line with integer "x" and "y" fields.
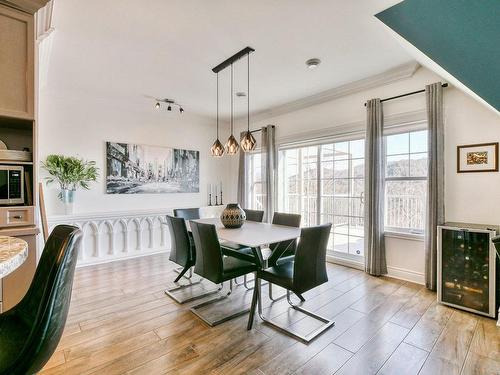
{"x": 466, "y": 267}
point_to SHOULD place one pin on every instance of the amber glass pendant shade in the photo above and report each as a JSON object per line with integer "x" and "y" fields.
{"x": 232, "y": 145}
{"x": 248, "y": 142}
{"x": 217, "y": 149}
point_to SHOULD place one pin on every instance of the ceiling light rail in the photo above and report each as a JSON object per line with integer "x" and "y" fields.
{"x": 231, "y": 60}
{"x": 169, "y": 103}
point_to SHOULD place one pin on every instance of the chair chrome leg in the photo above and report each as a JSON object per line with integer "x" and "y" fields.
{"x": 245, "y": 282}
{"x": 271, "y": 294}
{"x": 180, "y": 269}
{"x": 304, "y": 338}
{"x": 213, "y": 323}
{"x": 236, "y": 281}
{"x": 171, "y": 292}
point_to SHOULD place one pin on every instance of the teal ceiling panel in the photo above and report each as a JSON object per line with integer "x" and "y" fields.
{"x": 462, "y": 36}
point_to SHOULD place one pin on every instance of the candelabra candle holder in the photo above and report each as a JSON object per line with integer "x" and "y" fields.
{"x": 221, "y": 197}
{"x": 216, "y": 203}
{"x": 210, "y": 199}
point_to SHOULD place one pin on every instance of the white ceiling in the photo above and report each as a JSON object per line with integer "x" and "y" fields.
{"x": 128, "y": 49}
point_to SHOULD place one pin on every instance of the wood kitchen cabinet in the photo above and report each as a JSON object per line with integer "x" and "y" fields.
{"x": 16, "y": 63}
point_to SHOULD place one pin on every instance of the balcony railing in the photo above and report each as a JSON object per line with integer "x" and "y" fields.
{"x": 405, "y": 211}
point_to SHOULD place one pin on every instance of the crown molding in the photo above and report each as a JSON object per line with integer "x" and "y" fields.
{"x": 400, "y": 72}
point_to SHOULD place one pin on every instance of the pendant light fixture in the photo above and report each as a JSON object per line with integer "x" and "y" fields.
{"x": 232, "y": 145}
{"x": 217, "y": 148}
{"x": 248, "y": 141}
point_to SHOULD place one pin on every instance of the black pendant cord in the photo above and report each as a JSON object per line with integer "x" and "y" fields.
{"x": 231, "y": 99}
{"x": 248, "y": 92}
{"x": 217, "y": 105}
{"x": 407, "y": 94}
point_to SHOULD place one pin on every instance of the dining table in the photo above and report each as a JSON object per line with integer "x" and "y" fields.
{"x": 253, "y": 234}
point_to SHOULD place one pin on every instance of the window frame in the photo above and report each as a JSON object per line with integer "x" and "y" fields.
{"x": 352, "y": 136}
{"x": 396, "y": 232}
{"x": 250, "y": 188}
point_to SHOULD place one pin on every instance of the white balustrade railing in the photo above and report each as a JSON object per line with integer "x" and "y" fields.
{"x": 119, "y": 235}
{"x": 405, "y": 211}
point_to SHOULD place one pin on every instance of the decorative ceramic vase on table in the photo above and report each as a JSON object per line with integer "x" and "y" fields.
{"x": 233, "y": 216}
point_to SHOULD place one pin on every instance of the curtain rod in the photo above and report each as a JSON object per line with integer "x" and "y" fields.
{"x": 258, "y": 130}
{"x": 407, "y": 94}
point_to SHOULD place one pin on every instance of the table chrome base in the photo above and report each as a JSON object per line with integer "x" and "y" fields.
{"x": 213, "y": 323}
{"x": 306, "y": 339}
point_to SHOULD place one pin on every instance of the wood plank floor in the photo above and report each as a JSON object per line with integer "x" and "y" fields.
{"x": 121, "y": 322}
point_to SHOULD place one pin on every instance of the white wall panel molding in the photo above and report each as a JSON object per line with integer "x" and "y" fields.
{"x": 115, "y": 235}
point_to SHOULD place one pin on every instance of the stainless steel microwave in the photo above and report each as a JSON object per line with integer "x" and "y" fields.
{"x": 11, "y": 184}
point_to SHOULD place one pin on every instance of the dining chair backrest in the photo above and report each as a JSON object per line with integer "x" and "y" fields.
{"x": 309, "y": 268}
{"x": 181, "y": 251}
{"x": 284, "y": 248}
{"x": 45, "y": 306}
{"x": 289, "y": 220}
{"x": 187, "y": 213}
{"x": 254, "y": 215}
{"x": 209, "y": 263}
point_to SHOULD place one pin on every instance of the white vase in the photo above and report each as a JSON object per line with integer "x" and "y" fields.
{"x": 68, "y": 198}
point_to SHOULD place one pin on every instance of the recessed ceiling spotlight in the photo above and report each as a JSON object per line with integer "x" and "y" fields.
{"x": 313, "y": 63}
{"x": 241, "y": 94}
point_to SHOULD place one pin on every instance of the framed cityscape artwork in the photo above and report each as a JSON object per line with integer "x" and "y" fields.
{"x": 141, "y": 169}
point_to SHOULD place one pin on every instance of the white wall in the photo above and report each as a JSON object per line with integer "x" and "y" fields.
{"x": 469, "y": 197}
{"x": 79, "y": 124}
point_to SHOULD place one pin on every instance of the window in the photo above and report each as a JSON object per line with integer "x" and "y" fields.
{"x": 406, "y": 182}
{"x": 325, "y": 183}
{"x": 254, "y": 178}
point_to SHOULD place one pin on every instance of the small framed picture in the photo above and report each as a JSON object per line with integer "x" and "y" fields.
{"x": 482, "y": 157}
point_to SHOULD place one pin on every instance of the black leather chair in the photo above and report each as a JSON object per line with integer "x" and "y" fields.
{"x": 254, "y": 215}
{"x": 307, "y": 271}
{"x": 182, "y": 253}
{"x": 212, "y": 265}
{"x": 31, "y": 330}
{"x": 187, "y": 213}
{"x": 283, "y": 252}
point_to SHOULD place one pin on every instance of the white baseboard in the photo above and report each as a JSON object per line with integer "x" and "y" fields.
{"x": 406, "y": 275}
{"x": 395, "y": 272}
{"x": 346, "y": 262}
{"x": 126, "y": 257}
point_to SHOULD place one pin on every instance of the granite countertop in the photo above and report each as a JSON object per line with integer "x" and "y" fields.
{"x": 13, "y": 253}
